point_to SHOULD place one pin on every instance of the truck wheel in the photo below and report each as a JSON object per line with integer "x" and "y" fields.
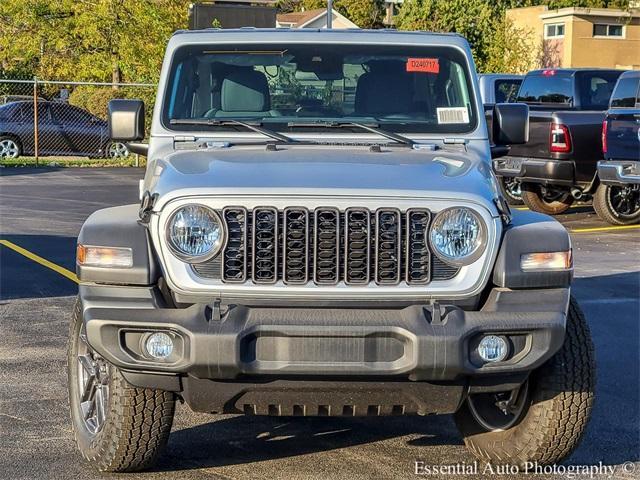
{"x": 618, "y": 205}
{"x": 511, "y": 189}
{"x": 549, "y": 200}
{"x": 544, "y": 420}
{"x": 117, "y": 427}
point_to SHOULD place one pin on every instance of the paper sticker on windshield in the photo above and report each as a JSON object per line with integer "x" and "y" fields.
{"x": 428, "y": 65}
{"x": 453, "y": 115}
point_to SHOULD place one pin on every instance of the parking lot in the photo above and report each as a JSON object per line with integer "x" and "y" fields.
{"x": 41, "y": 212}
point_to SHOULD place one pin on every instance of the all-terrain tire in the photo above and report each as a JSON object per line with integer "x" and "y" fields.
{"x": 603, "y": 205}
{"x": 561, "y": 399}
{"x": 533, "y": 198}
{"x": 138, "y": 420}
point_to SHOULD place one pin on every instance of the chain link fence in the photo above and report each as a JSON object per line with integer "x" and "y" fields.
{"x": 43, "y": 118}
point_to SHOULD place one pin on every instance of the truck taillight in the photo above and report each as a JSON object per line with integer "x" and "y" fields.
{"x": 605, "y": 124}
{"x": 559, "y": 139}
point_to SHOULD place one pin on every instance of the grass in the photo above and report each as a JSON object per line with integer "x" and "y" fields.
{"x": 64, "y": 162}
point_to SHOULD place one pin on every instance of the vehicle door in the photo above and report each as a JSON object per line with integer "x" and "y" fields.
{"x": 623, "y": 120}
{"x": 50, "y": 138}
{"x": 82, "y": 131}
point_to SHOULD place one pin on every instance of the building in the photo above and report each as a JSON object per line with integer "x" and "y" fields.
{"x": 316, "y": 18}
{"x": 583, "y": 37}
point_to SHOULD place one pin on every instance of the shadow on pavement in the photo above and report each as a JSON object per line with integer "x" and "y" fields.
{"x": 8, "y": 171}
{"x": 21, "y": 277}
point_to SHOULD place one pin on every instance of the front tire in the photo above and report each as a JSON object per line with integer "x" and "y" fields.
{"x": 552, "y": 419}
{"x": 618, "y": 205}
{"x": 9, "y": 147}
{"x": 549, "y": 200}
{"x": 117, "y": 427}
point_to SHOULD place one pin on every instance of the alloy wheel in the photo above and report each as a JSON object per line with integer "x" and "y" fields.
{"x": 624, "y": 201}
{"x": 9, "y": 148}
{"x": 117, "y": 150}
{"x": 93, "y": 385}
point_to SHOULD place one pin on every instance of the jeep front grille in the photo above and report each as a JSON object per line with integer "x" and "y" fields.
{"x": 326, "y": 246}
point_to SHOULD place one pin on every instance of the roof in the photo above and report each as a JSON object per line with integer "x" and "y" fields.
{"x": 571, "y": 71}
{"x": 593, "y": 12}
{"x": 300, "y": 18}
{"x": 318, "y": 33}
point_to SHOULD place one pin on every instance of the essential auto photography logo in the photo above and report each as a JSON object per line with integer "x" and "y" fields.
{"x": 599, "y": 470}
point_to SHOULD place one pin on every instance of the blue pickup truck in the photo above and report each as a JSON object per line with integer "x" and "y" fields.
{"x": 617, "y": 199}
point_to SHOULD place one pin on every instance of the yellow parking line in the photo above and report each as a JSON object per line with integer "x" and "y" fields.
{"x": 605, "y": 229}
{"x": 42, "y": 261}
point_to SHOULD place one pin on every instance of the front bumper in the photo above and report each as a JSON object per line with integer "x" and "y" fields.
{"x": 536, "y": 170}
{"x": 414, "y": 351}
{"x": 619, "y": 172}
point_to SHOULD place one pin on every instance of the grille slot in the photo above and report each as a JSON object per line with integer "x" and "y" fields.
{"x": 265, "y": 245}
{"x": 326, "y": 254}
{"x": 357, "y": 246}
{"x": 234, "y": 265}
{"x": 418, "y": 267}
{"x": 295, "y": 253}
{"x": 326, "y": 246}
{"x": 388, "y": 247}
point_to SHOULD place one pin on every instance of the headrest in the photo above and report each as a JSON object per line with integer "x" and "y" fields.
{"x": 245, "y": 90}
{"x": 383, "y": 93}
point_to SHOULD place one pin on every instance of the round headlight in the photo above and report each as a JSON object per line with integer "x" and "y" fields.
{"x": 458, "y": 236}
{"x": 195, "y": 233}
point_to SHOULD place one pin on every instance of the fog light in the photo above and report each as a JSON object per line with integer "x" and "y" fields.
{"x": 159, "y": 345}
{"x": 493, "y": 348}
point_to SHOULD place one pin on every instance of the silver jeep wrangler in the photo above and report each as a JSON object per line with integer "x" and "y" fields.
{"x": 320, "y": 233}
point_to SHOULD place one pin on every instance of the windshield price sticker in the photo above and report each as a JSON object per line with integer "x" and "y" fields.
{"x": 453, "y": 115}
{"x": 428, "y": 65}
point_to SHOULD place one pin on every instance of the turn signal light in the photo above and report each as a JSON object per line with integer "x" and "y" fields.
{"x": 106, "y": 257}
{"x": 546, "y": 261}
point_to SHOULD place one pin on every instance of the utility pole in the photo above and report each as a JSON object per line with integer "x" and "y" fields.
{"x": 329, "y": 14}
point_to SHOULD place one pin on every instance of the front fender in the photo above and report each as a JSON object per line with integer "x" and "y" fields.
{"x": 119, "y": 227}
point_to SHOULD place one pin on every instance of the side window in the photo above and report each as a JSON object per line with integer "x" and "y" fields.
{"x": 626, "y": 93}
{"x": 10, "y": 113}
{"x": 506, "y": 91}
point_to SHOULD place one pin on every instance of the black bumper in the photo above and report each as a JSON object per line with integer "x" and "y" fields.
{"x": 536, "y": 170}
{"x": 409, "y": 352}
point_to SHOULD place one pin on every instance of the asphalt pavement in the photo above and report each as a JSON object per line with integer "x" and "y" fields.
{"x": 42, "y": 210}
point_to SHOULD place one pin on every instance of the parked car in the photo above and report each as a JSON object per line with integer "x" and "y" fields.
{"x": 14, "y": 98}
{"x": 502, "y": 88}
{"x": 617, "y": 199}
{"x": 559, "y": 162}
{"x": 63, "y": 129}
{"x": 292, "y": 261}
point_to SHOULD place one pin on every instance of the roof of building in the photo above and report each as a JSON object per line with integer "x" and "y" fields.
{"x": 594, "y": 12}
{"x": 300, "y": 18}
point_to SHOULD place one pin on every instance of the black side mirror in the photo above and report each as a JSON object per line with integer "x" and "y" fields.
{"x": 510, "y": 124}
{"x": 126, "y": 120}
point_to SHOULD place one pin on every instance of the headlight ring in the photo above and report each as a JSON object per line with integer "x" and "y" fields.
{"x": 195, "y": 233}
{"x": 458, "y": 236}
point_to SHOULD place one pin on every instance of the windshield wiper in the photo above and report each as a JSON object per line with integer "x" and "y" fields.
{"x": 215, "y": 122}
{"x": 364, "y": 126}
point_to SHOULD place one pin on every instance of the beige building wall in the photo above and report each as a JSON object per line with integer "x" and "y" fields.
{"x": 578, "y": 47}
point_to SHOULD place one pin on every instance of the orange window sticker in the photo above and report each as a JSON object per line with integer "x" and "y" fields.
{"x": 428, "y": 65}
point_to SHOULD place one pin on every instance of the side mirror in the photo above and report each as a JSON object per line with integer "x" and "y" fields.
{"x": 510, "y": 124}
{"x": 126, "y": 120}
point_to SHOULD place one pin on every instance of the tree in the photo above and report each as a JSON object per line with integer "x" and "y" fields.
{"x": 94, "y": 40}
{"x": 364, "y": 13}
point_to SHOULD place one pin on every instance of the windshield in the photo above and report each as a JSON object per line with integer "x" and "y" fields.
{"x": 399, "y": 88}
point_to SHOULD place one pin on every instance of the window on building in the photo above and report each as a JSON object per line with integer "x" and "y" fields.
{"x": 604, "y": 30}
{"x": 554, "y": 30}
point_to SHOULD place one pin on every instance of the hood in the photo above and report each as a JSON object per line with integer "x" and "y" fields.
{"x": 318, "y": 171}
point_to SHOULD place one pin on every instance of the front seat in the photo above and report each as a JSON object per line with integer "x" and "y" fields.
{"x": 381, "y": 94}
{"x": 244, "y": 93}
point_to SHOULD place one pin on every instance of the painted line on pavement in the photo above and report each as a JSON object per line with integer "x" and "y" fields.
{"x": 42, "y": 261}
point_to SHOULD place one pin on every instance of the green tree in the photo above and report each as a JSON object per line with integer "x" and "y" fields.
{"x": 364, "y": 13}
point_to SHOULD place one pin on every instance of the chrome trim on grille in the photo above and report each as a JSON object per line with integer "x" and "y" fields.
{"x": 262, "y": 247}
{"x": 235, "y": 251}
{"x": 411, "y": 247}
{"x": 390, "y": 264}
{"x": 287, "y": 247}
{"x": 348, "y": 254}
{"x": 334, "y": 252}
